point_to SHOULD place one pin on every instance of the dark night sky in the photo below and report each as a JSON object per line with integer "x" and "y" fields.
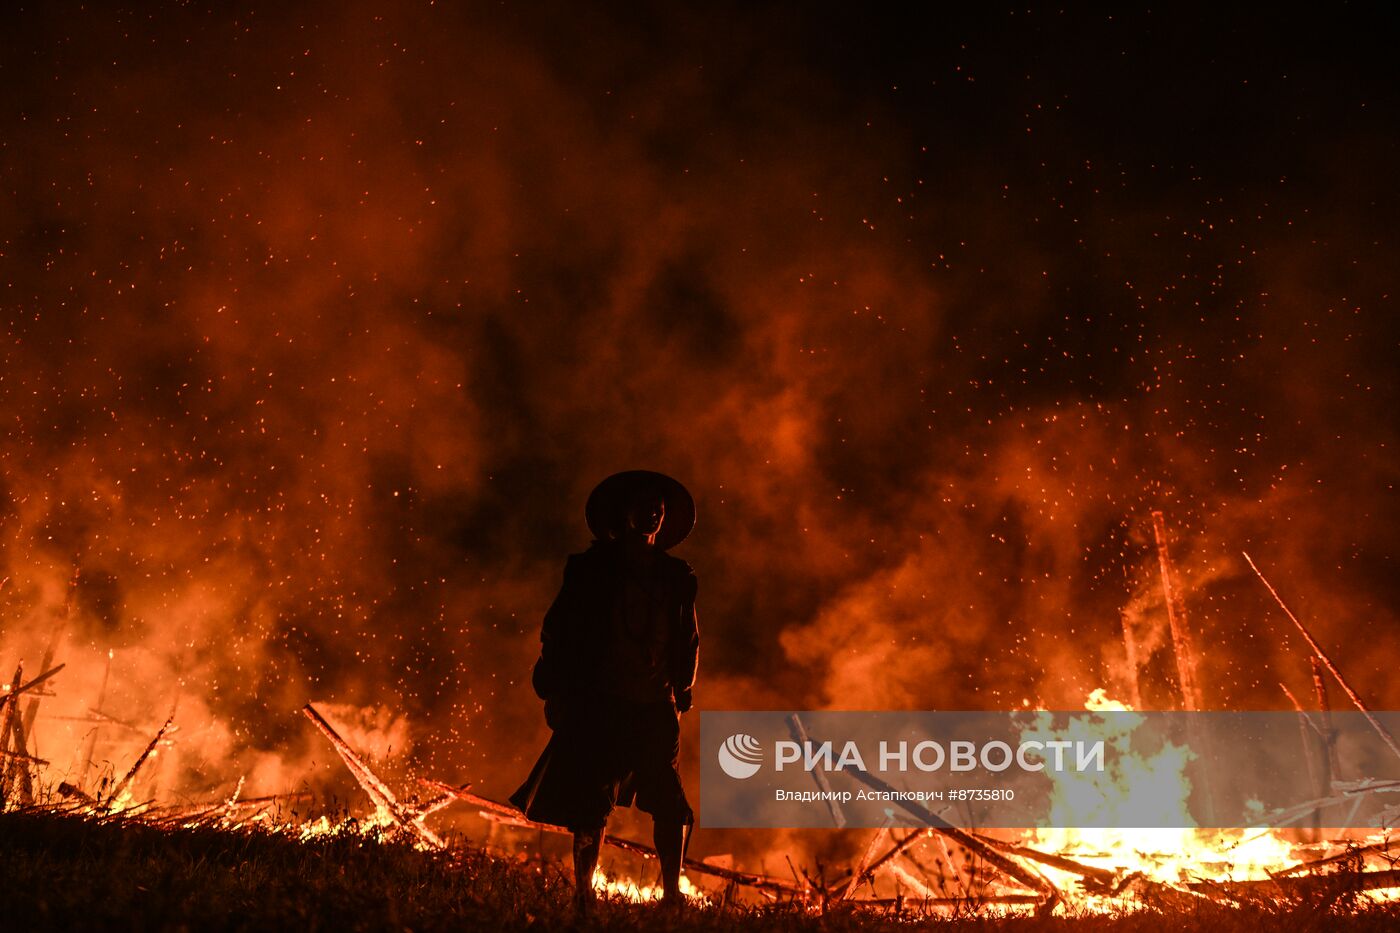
{"x": 319, "y": 324}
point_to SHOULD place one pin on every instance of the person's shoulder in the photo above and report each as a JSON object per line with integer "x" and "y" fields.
{"x": 677, "y": 566}
{"x": 597, "y": 553}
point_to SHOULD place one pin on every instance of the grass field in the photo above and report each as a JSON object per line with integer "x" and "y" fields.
{"x": 67, "y": 873}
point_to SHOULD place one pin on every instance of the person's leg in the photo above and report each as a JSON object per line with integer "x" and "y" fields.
{"x": 586, "y": 847}
{"x": 659, "y": 792}
{"x": 669, "y": 835}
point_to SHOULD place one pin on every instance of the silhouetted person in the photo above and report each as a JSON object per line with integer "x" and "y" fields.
{"x": 617, "y": 662}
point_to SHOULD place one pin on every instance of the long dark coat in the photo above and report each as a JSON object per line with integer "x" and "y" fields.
{"x": 619, "y": 643}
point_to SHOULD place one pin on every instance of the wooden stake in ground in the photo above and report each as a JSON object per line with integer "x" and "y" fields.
{"x": 7, "y": 728}
{"x": 1312, "y": 753}
{"x": 799, "y": 735}
{"x": 1322, "y": 656}
{"x": 1187, "y": 670}
{"x": 377, "y": 790}
{"x": 1130, "y": 650}
{"x": 1329, "y": 734}
{"x": 14, "y": 769}
{"x": 1187, "y": 674}
{"x": 20, "y": 777}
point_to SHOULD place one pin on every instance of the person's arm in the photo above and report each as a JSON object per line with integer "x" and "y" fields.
{"x": 555, "y": 671}
{"x": 685, "y": 646}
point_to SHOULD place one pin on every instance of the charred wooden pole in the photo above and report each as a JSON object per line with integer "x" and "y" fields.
{"x": 20, "y": 759}
{"x": 1312, "y": 755}
{"x": 407, "y": 819}
{"x": 1352, "y": 853}
{"x": 130, "y": 776}
{"x": 1188, "y": 676}
{"x": 11, "y": 698}
{"x": 799, "y": 735}
{"x": 1329, "y": 732}
{"x": 7, "y": 728}
{"x": 153, "y": 788}
{"x": 1325, "y": 660}
{"x": 1307, "y": 886}
{"x": 1130, "y": 650}
{"x": 1184, "y": 649}
{"x": 14, "y": 763}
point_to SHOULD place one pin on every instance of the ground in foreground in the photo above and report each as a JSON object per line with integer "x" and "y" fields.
{"x": 68, "y": 873}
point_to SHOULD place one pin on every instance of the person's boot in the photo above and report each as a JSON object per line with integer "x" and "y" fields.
{"x": 670, "y": 846}
{"x": 586, "y": 846}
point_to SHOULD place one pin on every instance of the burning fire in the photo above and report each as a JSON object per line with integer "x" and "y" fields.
{"x": 631, "y": 890}
{"x": 1170, "y": 857}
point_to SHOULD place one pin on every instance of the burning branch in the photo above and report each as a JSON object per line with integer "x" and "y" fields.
{"x": 1050, "y": 895}
{"x": 799, "y": 735}
{"x": 1089, "y": 872}
{"x": 1184, "y": 649}
{"x": 15, "y": 691}
{"x": 1352, "y": 853}
{"x": 1322, "y": 656}
{"x": 863, "y": 868}
{"x": 898, "y": 849}
{"x": 407, "y": 819}
{"x": 1309, "y": 886}
{"x": 131, "y": 775}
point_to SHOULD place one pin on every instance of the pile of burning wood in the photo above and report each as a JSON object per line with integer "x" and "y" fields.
{"x": 938, "y": 867}
{"x": 935, "y": 867}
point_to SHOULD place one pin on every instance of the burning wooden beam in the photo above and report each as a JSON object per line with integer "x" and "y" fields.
{"x": 510, "y": 815}
{"x": 971, "y": 902}
{"x": 799, "y": 735}
{"x": 20, "y": 778}
{"x": 1050, "y": 895}
{"x": 377, "y": 790}
{"x": 125, "y": 782}
{"x": 1102, "y": 875}
{"x": 1309, "y": 885}
{"x": 1353, "y": 852}
{"x": 1130, "y": 651}
{"x": 8, "y": 770}
{"x": 10, "y": 753}
{"x": 16, "y": 689}
{"x": 1322, "y": 656}
{"x": 872, "y": 865}
{"x": 1324, "y": 706}
{"x": 863, "y": 868}
{"x": 1188, "y": 675}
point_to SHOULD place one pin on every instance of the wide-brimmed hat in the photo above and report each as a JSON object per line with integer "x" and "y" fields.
{"x": 607, "y": 506}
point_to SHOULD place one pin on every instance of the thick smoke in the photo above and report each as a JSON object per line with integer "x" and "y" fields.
{"x": 319, "y": 326}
